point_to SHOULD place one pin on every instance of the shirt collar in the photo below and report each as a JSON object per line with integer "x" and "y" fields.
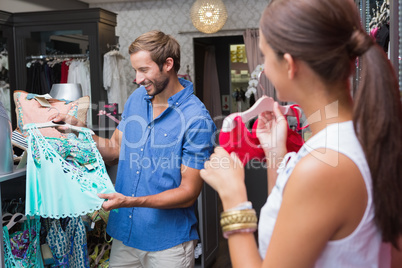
{"x": 178, "y": 98}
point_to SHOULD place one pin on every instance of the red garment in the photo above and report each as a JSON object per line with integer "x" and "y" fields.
{"x": 246, "y": 144}
{"x": 241, "y": 141}
{"x": 64, "y": 72}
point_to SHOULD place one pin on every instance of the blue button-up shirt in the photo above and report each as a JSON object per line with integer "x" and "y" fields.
{"x": 151, "y": 154}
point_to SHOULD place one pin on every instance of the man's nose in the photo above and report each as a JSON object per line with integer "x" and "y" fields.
{"x": 139, "y": 78}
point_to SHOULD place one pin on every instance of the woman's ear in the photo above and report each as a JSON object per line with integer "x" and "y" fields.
{"x": 169, "y": 64}
{"x": 291, "y": 65}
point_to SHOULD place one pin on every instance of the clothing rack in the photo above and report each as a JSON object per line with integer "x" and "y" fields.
{"x": 57, "y": 56}
{"x": 113, "y": 47}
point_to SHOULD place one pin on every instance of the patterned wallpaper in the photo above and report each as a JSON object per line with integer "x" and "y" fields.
{"x": 173, "y": 17}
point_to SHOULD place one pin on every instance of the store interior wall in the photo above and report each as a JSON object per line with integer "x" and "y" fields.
{"x": 173, "y": 17}
{"x": 14, "y": 6}
{"x": 170, "y": 16}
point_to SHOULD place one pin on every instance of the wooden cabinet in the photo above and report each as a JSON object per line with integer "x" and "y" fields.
{"x": 34, "y": 30}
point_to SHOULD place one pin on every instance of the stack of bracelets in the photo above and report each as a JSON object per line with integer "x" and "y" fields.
{"x": 241, "y": 219}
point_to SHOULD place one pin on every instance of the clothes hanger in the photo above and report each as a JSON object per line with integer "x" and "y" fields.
{"x": 263, "y": 104}
{"x": 17, "y": 217}
{"x": 59, "y": 124}
{"x": 6, "y": 217}
{"x": 105, "y": 248}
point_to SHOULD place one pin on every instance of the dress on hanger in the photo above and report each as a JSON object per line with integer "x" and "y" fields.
{"x": 29, "y": 255}
{"x": 55, "y": 187}
{"x": 78, "y": 73}
{"x": 115, "y": 78}
{"x": 69, "y": 247}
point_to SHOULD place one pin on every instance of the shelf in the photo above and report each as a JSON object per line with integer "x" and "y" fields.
{"x": 15, "y": 174}
{"x": 240, "y": 80}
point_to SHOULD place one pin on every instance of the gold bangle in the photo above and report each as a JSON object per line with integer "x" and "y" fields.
{"x": 238, "y": 221}
{"x": 238, "y": 217}
{"x": 239, "y": 226}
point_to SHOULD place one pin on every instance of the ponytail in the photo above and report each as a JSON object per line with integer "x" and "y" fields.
{"x": 377, "y": 119}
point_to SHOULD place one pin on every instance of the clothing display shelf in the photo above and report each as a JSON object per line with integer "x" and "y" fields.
{"x": 34, "y": 30}
{"x": 26, "y": 35}
{"x": 367, "y": 7}
{"x": 57, "y": 56}
{"x": 17, "y": 173}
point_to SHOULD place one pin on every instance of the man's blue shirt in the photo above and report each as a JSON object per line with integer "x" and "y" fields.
{"x": 151, "y": 154}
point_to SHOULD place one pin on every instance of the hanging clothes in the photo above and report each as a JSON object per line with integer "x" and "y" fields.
{"x": 5, "y": 96}
{"x": 64, "y": 71}
{"x": 115, "y": 78}
{"x": 79, "y": 73}
{"x": 58, "y": 189}
{"x": 69, "y": 246}
{"x": 45, "y": 70}
{"x": 4, "y": 66}
{"x": 24, "y": 251}
{"x": 37, "y": 77}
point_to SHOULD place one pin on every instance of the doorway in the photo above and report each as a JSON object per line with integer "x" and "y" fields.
{"x": 231, "y": 75}
{"x": 225, "y": 67}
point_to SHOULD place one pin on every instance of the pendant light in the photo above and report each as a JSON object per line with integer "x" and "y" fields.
{"x": 208, "y": 16}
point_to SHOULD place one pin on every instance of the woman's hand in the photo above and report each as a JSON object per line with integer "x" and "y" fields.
{"x": 272, "y": 130}
{"x": 225, "y": 174}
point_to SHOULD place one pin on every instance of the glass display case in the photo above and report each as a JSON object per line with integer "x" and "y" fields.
{"x": 83, "y": 36}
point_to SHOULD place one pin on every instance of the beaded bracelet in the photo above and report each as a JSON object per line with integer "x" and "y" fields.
{"x": 238, "y": 221}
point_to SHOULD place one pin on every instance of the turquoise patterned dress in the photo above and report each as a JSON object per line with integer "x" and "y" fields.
{"x": 59, "y": 186}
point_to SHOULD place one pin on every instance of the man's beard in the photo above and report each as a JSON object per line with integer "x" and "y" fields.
{"x": 159, "y": 86}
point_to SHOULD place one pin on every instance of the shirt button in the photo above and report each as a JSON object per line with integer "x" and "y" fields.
{"x": 132, "y": 195}
{"x": 142, "y": 149}
{"x": 165, "y": 135}
{"x": 138, "y": 172}
{"x": 177, "y": 103}
{"x": 129, "y": 216}
{"x": 149, "y": 126}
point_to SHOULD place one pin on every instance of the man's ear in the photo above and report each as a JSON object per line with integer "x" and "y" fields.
{"x": 291, "y": 65}
{"x": 169, "y": 64}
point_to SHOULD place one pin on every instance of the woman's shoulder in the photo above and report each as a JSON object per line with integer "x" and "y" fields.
{"x": 330, "y": 184}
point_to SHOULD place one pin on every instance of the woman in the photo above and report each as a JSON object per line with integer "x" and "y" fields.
{"x": 334, "y": 202}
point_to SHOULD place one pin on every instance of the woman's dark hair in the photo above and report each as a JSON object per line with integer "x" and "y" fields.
{"x": 329, "y": 37}
{"x": 160, "y": 45}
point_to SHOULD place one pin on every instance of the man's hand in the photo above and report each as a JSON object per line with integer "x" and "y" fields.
{"x": 112, "y": 201}
{"x": 67, "y": 119}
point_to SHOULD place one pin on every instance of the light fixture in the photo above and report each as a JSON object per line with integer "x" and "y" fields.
{"x": 208, "y": 16}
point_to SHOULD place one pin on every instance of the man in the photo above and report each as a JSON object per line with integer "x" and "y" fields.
{"x": 162, "y": 142}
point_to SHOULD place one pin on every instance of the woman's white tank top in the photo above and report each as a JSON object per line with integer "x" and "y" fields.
{"x": 364, "y": 246}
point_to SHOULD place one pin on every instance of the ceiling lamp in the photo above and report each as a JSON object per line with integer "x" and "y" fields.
{"x": 208, "y": 16}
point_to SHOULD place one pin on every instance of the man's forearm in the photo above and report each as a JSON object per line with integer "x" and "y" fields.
{"x": 107, "y": 149}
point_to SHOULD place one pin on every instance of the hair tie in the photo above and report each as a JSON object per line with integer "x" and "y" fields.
{"x": 359, "y": 42}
